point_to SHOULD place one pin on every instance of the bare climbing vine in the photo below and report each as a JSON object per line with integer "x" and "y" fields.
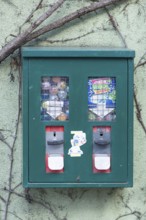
{"x": 138, "y": 215}
{"x": 141, "y": 63}
{"x": 31, "y": 33}
{"x": 15, "y": 63}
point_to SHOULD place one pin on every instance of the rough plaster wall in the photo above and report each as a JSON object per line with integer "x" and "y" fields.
{"x": 72, "y": 204}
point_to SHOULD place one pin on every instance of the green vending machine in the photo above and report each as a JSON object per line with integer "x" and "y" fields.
{"x": 77, "y": 117}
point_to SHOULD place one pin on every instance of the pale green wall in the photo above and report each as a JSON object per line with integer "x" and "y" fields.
{"x": 73, "y": 204}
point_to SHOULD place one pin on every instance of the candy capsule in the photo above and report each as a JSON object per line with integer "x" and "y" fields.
{"x": 53, "y": 90}
{"x": 56, "y": 79}
{"x": 53, "y": 97}
{"x": 45, "y": 85}
{"x": 62, "y": 117}
{"x": 45, "y": 105}
{"x": 44, "y": 96}
{"x": 62, "y": 94}
{"x": 62, "y": 85}
{"x": 46, "y": 117}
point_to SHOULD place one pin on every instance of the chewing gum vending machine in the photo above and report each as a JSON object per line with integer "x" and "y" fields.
{"x": 77, "y": 117}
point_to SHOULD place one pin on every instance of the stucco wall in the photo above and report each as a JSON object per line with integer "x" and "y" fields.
{"x": 71, "y": 204}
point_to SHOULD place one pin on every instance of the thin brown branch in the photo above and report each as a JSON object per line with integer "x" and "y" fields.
{"x": 44, "y": 204}
{"x": 12, "y": 213}
{"x": 137, "y": 2}
{"x": 21, "y": 38}
{"x": 44, "y": 16}
{"x": 70, "y": 39}
{"x": 32, "y": 13}
{"x": 13, "y": 146}
{"x": 137, "y": 105}
{"x": 2, "y": 199}
{"x": 28, "y": 19}
{"x": 77, "y": 14}
{"x": 29, "y": 35}
{"x": 137, "y": 214}
{"x": 2, "y": 139}
{"x": 138, "y": 113}
{"x": 141, "y": 63}
{"x": 115, "y": 26}
{"x": 138, "y": 109}
{"x": 19, "y": 184}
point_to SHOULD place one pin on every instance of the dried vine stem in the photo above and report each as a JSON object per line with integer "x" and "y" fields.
{"x": 70, "y": 39}
{"x": 31, "y": 200}
{"x": 28, "y": 19}
{"x": 12, "y": 147}
{"x": 29, "y": 34}
{"x": 138, "y": 113}
{"x": 77, "y": 14}
{"x": 21, "y": 38}
{"x": 12, "y": 213}
{"x": 2, "y": 199}
{"x": 115, "y": 26}
{"x": 137, "y": 214}
{"x": 140, "y": 63}
{"x": 73, "y": 38}
{"x": 137, "y": 105}
{"x": 2, "y": 139}
{"x": 19, "y": 184}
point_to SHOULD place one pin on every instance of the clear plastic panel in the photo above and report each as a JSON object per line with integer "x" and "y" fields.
{"x": 101, "y": 99}
{"x": 54, "y": 98}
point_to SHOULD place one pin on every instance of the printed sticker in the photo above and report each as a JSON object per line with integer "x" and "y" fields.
{"x": 79, "y": 139}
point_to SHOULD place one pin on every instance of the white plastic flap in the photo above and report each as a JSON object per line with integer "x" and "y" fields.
{"x": 56, "y": 162}
{"x": 102, "y": 162}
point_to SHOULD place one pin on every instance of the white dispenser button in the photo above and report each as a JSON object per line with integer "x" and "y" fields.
{"x": 55, "y": 162}
{"x": 102, "y": 162}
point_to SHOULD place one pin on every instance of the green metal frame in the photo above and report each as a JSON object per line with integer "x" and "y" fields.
{"x": 95, "y": 62}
